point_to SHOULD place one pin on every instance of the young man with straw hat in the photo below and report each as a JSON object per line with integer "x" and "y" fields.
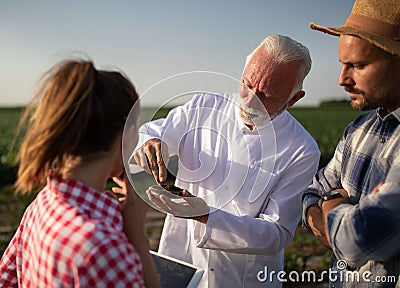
{"x": 353, "y": 203}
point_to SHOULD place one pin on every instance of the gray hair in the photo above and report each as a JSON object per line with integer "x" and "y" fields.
{"x": 283, "y": 50}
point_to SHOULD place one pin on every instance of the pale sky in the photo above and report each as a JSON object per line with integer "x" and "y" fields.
{"x": 153, "y": 40}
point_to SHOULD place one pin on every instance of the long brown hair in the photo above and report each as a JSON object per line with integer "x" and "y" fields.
{"x": 78, "y": 111}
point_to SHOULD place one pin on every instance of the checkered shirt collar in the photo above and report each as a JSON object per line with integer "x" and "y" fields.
{"x": 89, "y": 201}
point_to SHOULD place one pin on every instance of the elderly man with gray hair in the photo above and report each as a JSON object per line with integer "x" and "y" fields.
{"x": 261, "y": 161}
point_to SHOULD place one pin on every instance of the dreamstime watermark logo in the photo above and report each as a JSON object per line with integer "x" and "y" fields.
{"x": 332, "y": 275}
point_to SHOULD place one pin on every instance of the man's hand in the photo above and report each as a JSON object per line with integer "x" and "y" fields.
{"x": 329, "y": 205}
{"x": 153, "y": 157}
{"x": 376, "y": 189}
{"x": 190, "y": 207}
{"x": 316, "y": 224}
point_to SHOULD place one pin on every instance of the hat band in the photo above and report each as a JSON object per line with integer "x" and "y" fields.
{"x": 374, "y": 26}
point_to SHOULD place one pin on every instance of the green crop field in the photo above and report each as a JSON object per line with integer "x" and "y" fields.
{"x": 326, "y": 124}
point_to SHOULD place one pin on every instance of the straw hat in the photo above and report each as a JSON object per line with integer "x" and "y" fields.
{"x": 377, "y": 21}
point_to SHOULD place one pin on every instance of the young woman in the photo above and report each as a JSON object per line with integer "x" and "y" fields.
{"x": 73, "y": 234}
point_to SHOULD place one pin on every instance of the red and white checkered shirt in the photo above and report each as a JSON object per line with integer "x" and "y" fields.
{"x": 71, "y": 236}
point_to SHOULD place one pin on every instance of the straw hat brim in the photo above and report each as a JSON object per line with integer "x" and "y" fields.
{"x": 389, "y": 45}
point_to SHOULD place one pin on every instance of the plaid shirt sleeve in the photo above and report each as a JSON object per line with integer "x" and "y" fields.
{"x": 371, "y": 229}
{"x": 325, "y": 180}
{"x": 8, "y": 271}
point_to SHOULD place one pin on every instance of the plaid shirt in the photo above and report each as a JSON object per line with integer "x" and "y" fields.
{"x": 365, "y": 233}
{"x": 70, "y": 236}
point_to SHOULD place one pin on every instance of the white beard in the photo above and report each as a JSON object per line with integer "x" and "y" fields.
{"x": 254, "y": 115}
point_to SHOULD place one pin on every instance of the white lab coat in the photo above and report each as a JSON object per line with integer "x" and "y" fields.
{"x": 252, "y": 180}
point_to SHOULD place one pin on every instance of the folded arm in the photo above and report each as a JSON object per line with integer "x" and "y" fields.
{"x": 371, "y": 229}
